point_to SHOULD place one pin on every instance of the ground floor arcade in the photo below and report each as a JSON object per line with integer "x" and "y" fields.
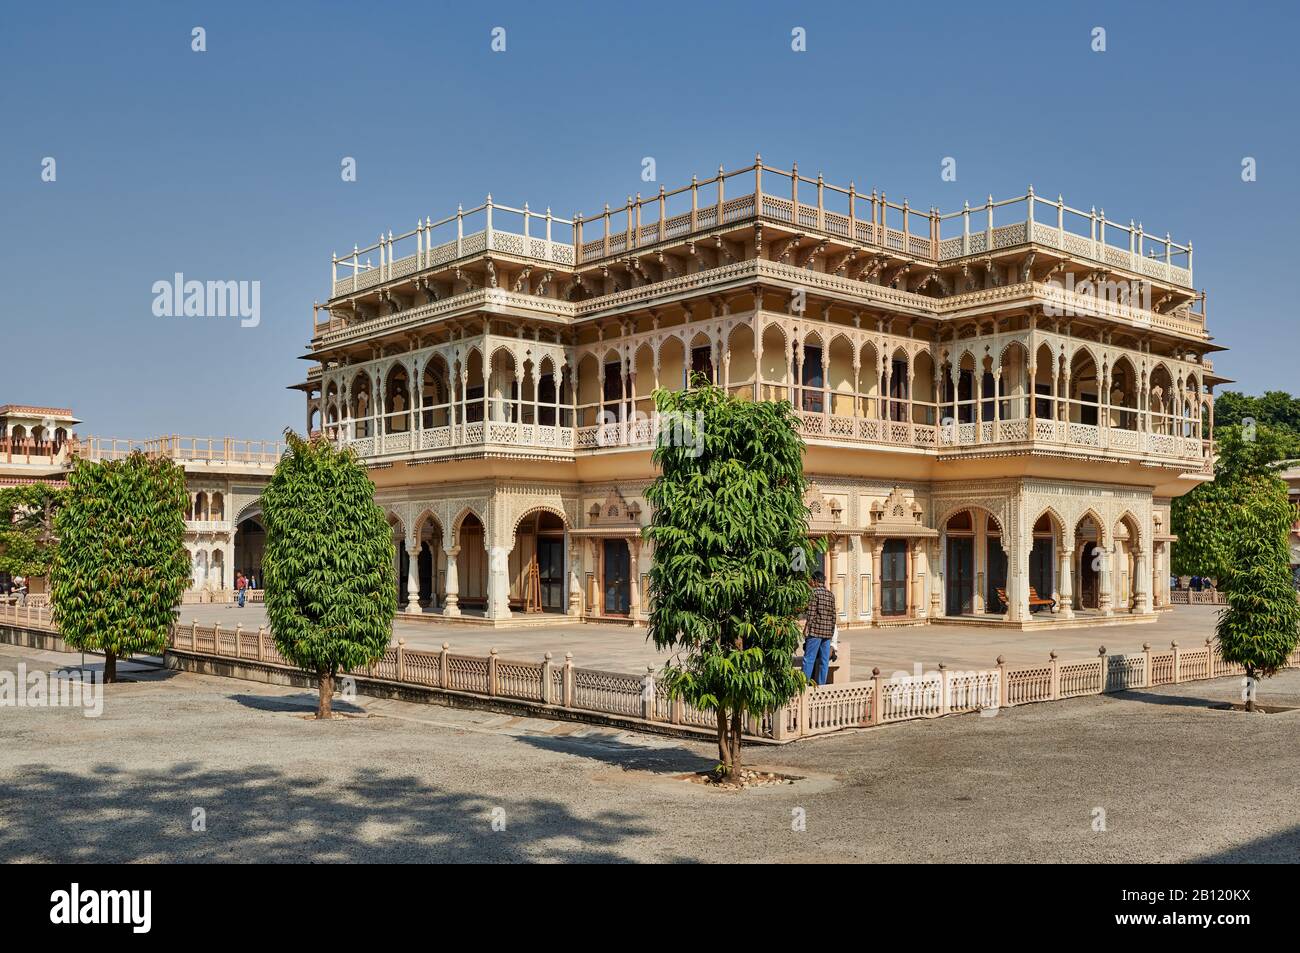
{"x": 1022, "y": 552}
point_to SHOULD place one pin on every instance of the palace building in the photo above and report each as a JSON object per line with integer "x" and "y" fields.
{"x": 224, "y": 477}
{"x": 998, "y": 402}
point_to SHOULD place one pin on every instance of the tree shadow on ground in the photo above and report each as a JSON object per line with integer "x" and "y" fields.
{"x": 619, "y": 753}
{"x": 1280, "y": 848}
{"x": 303, "y": 702}
{"x": 261, "y": 814}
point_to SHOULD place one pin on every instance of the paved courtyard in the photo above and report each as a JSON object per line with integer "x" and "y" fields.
{"x": 624, "y": 649}
{"x": 397, "y": 781}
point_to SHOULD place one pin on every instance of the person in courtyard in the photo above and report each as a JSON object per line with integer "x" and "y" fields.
{"x": 818, "y": 630}
{"x": 241, "y": 588}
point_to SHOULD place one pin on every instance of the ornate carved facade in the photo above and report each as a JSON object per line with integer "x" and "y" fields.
{"x": 996, "y": 412}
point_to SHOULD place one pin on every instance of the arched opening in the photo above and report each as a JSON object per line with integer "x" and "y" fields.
{"x": 436, "y": 394}
{"x": 538, "y": 580}
{"x": 973, "y": 551}
{"x": 503, "y": 388}
{"x": 201, "y": 506}
{"x": 1161, "y": 400}
{"x": 217, "y": 508}
{"x": 1124, "y": 564}
{"x": 430, "y": 563}
{"x": 774, "y": 367}
{"x": 397, "y": 401}
{"x": 1045, "y": 383}
{"x": 740, "y": 366}
{"x": 1084, "y": 388}
{"x": 1123, "y": 410}
{"x": 250, "y": 544}
{"x": 362, "y": 408}
{"x": 217, "y": 570}
{"x": 898, "y": 386}
{"x": 808, "y": 371}
{"x": 924, "y": 405}
{"x": 471, "y": 563}
{"x": 1089, "y": 555}
{"x": 1043, "y": 559}
{"x": 589, "y": 390}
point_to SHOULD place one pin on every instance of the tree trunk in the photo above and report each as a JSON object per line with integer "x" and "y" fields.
{"x": 1251, "y": 682}
{"x": 737, "y": 720}
{"x": 324, "y": 708}
{"x": 724, "y": 743}
{"x": 110, "y": 667}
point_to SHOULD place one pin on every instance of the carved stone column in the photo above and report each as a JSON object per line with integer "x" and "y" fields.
{"x": 451, "y": 600}
{"x": 1142, "y": 579}
{"x": 1066, "y": 581}
{"x": 412, "y": 575}
{"x": 498, "y": 583}
{"x": 1105, "y": 601}
{"x": 634, "y": 583}
{"x": 877, "y": 549}
{"x": 575, "y": 577}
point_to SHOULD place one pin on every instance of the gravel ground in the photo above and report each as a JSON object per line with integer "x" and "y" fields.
{"x": 394, "y": 781}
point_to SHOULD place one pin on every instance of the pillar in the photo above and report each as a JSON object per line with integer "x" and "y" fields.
{"x": 1142, "y": 579}
{"x": 412, "y": 575}
{"x": 877, "y": 548}
{"x": 498, "y": 604}
{"x": 1105, "y": 601}
{"x": 451, "y": 599}
{"x": 634, "y": 583}
{"x": 574, "y": 576}
{"x": 1066, "y": 578}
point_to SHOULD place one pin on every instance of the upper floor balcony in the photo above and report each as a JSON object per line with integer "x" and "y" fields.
{"x": 758, "y": 195}
{"x": 1031, "y": 391}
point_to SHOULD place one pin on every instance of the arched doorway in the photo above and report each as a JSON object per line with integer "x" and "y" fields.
{"x": 1088, "y": 550}
{"x": 973, "y": 553}
{"x": 250, "y": 544}
{"x": 540, "y": 549}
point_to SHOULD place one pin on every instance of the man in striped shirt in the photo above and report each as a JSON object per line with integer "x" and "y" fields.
{"x": 818, "y": 630}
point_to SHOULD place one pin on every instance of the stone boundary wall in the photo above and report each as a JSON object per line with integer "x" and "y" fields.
{"x": 547, "y": 689}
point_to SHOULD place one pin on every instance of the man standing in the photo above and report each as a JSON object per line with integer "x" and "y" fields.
{"x": 241, "y": 588}
{"x": 818, "y": 630}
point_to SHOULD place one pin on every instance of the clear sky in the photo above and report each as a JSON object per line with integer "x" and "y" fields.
{"x": 225, "y": 165}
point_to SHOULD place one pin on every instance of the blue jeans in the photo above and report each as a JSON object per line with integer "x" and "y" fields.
{"x": 816, "y": 652}
{"x": 242, "y": 594}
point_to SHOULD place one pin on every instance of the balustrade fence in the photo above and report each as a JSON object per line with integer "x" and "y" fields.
{"x": 643, "y": 698}
{"x": 779, "y": 195}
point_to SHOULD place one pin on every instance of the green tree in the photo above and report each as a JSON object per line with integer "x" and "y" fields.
{"x": 120, "y": 566}
{"x": 331, "y": 592}
{"x": 731, "y": 555}
{"x": 27, "y": 538}
{"x": 1205, "y": 519}
{"x": 1259, "y": 629}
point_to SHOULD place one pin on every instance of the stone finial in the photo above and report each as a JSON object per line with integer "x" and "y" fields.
{"x": 1101, "y": 650}
{"x": 446, "y": 646}
{"x": 875, "y": 672}
{"x": 1173, "y": 644}
{"x": 1001, "y": 660}
{"x": 1052, "y": 654}
{"x": 1146, "y": 646}
{"x": 401, "y": 641}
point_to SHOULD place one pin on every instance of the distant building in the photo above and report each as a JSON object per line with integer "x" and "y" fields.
{"x": 225, "y": 478}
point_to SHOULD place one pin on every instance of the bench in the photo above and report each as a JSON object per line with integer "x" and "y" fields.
{"x": 1035, "y": 600}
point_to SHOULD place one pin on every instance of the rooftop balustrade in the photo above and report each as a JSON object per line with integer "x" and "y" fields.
{"x": 785, "y": 197}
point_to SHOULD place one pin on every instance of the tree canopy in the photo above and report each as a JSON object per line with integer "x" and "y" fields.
{"x": 27, "y": 536}
{"x": 731, "y": 554}
{"x": 1259, "y": 628}
{"x": 1254, "y": 436}
{"x": 120, "y": 566}
{"x": 331, "y": 591}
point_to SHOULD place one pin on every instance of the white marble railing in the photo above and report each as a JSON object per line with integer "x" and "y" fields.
{"x": 476, "y": 435}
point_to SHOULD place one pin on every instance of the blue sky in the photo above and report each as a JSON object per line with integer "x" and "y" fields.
{"x": 225, "y": 165}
